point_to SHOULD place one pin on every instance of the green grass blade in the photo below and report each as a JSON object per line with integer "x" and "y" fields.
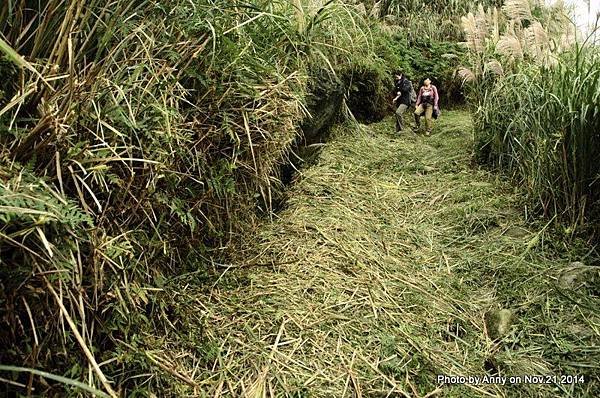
{"x": 15, "y": 57}
{"x": 60, "y": 379}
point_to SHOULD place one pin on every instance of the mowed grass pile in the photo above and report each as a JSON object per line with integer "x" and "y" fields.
{"x": 377, "y": 276}
{"x": 541, "y": 124}
{"x": 137, "y": 139}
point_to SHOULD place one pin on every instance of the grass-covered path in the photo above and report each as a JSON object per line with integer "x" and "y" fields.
{"x": 376, "y": 278}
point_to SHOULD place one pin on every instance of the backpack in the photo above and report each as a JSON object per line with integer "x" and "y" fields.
{"x": 413, "y": 95}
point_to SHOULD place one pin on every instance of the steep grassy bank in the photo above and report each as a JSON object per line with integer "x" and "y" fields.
{"x": 378, "y": 277}
{"x": 138, "y": 140}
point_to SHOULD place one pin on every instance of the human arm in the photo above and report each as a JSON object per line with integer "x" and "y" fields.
{"x": 397, "y": 91}
{"x": 419, "y": 97}
{"x": 436, "y": 98}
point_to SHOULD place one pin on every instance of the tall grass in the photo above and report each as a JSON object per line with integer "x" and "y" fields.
{"x": 434, "y": 20}
{"x": 535, "y": 89}
{"x": 542, "y": 125}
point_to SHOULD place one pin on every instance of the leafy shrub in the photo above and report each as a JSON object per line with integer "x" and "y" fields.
{"x": 369, "y": 87}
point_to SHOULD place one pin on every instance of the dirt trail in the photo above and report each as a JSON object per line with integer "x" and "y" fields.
{"x": 376, "y": 277}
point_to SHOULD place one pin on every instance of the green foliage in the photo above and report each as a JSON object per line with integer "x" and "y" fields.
{"x": 156, "y": 128}
{"x": 439, "y": 60}
{"x": 432, "y": 20}
{"x": 535, "y": 90}
{"x": 139, "y": 139}
{"x": 541, "y": 125}
{"x": 420, "y": 58}
{"x": 368, "y": 84}
{"x": 27, "y": 201}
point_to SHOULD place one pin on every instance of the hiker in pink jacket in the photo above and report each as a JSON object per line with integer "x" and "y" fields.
{"x": 427, "y": 102}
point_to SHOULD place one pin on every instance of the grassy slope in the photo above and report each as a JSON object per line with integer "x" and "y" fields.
{"x": 376, "y": 278}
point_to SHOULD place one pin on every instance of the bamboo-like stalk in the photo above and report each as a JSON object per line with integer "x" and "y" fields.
{"x": 84, "y": 347}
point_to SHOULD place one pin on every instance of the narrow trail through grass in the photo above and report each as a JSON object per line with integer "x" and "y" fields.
{"x": 376, "y": 277}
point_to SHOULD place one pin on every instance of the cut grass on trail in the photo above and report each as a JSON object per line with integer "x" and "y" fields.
{"x": 377, "y": 276}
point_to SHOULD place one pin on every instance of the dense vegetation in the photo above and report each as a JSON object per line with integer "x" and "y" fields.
{"x": 142, "y": 141}
{"x": 536, "y": 89}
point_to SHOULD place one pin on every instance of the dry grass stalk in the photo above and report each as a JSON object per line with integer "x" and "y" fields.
{"x": 80, "y": 340}
{"x": 510, "y": 46}
{"x": 517, "y": 9}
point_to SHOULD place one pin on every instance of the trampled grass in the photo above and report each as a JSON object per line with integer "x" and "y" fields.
{"x": 377, "y": 277}
{"x": 141, "y": 141}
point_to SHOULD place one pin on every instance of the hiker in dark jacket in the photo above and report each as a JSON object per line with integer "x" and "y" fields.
{"x": 402, "y": 90}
